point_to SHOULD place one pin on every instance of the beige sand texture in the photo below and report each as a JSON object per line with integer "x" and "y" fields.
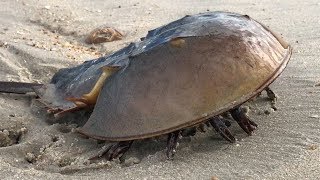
{"x": 39, "y": 37}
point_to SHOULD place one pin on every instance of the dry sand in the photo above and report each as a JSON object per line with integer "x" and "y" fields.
{"x": 39, "y": 37}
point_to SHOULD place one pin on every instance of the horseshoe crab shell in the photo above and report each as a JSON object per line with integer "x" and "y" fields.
{"x": 183, "y": 73}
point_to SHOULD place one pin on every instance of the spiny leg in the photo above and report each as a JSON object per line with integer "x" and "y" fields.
{"x": 114, "y": 150}
{"x": 226, "y": 117}
{"x": 201, "y": 127}
{"x": 273, "y": 97}
{"x": 243, "y": 120}
{"x": 190, "y": 131}
{"x": 172, "y": 143}
{"x": 271, "y": 94}
{"x": 58, "y": 113}
{"x": 220, "y": 126}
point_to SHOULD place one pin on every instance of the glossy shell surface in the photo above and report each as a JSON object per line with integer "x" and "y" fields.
{"x": 179, "y": 75}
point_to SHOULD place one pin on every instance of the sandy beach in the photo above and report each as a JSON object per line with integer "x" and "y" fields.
{"x": 37, "y": 38}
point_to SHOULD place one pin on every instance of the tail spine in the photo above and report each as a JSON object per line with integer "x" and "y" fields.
{"x": 18, "y": 87}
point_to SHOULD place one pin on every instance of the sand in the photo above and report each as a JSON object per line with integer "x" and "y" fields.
{"x": 39, "y": 37}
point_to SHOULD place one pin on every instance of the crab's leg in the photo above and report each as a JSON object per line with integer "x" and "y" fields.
{"x": 271, "y": 94}
{"x": 220, "y": 126}
{"x": 114, "y": 150}
{"x": 91, "y": 97}
{"x": 191, "y": 131}
{"x": 58, "y": 113}
{"x": 273, "y": 97}
{"x": 243, "y": 120}
{"x": 172, "y": 143}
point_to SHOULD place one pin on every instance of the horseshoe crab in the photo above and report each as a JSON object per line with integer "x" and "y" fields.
{"x": 180, "y": 75}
